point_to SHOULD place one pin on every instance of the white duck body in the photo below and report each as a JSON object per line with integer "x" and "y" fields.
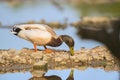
{"x": 39, "y": 34}
{"x": 42, "y": 35}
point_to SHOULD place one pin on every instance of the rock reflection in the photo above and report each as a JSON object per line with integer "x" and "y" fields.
{"x": 38, "y": 74}
{"x": 15, "y": 68}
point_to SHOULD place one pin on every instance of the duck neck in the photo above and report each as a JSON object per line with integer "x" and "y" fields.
{"x": 55, "y": 42}
{"x": 68, "y": 40}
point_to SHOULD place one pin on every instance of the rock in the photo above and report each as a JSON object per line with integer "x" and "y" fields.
{"x": 4, "y": 54}
{"x": 41, "y": 60}
{"x": 11, "y": 50}
{"x": 58, "y": 59}
{"x": 63, "y": 63}
{"x": 41, "y": 65}
{"x": 72, "y": 57}
{"x": 23, "y": 60}
{"x": 109, "y": 57}
{"x": 82, "y": 57}
{"x": 30, "y": 61}
{"x": 2, "y": 61}
{"x": 37, "y": 73}
{"x": 18, "y": 52}
{"x": 96, "y": 56}
{"x": 16, "y": 58}
{"x": 76, "y": 60}
{"x": 37, "y": 55}
{"x": 46, "y": 57}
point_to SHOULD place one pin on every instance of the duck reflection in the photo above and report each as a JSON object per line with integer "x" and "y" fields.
{"x": 46, "y": 78}
{"x": 39, "y": 75}
{"x": 72, "y": 74}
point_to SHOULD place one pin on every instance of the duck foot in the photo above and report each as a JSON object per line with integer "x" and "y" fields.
{"x": 48, "y": 51}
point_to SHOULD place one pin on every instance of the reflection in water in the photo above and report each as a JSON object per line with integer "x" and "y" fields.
{"x": 83, "y": 72}
{"x": 87, "y": 74}
{"x": 63, "y": 74}
{"x": 77, "y": 74}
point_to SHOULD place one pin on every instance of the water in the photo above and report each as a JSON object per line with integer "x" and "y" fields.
{"x": 87, "y": 74}
{"x": 98, "y": 74}
{"x": 16, "y": 76}
{"x": 37, "y": 11}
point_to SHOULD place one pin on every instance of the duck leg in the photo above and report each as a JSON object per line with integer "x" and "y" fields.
{"x": 47, "y": 50}
{"x": 35, "y": 47}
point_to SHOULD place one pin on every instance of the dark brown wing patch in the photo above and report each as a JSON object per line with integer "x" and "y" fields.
{"x": 29, "y": 28}
{"x": 55, "y": 42}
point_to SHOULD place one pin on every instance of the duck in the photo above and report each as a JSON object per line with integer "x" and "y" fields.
{"x": 42, "y": 35}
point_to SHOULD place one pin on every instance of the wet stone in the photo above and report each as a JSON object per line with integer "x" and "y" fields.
{"x": 58, "y": 59}
{"x": 63, "y": 63}
{"x": 41, "y": 65}
{"x": 40, "y": 58}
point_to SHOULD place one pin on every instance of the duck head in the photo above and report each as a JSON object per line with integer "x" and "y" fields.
{"x": 69, "y": 41}
{"x": 15, "y": 30}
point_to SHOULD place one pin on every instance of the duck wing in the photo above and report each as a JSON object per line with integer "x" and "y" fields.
{"x": 42, "y": 27}
{"x": 50, "y": 30}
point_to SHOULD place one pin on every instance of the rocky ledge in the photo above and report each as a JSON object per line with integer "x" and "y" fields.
{"x": 41, "y": 59}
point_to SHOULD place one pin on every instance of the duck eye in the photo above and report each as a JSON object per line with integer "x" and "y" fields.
{"x": 16, "y": 29}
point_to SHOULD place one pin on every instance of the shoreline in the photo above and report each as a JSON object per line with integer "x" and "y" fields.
{"x": 59, "y": 59}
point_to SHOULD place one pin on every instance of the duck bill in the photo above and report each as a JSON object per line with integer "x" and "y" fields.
{"x": 72, "y": 51}
{"x": 15, "y": 33}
